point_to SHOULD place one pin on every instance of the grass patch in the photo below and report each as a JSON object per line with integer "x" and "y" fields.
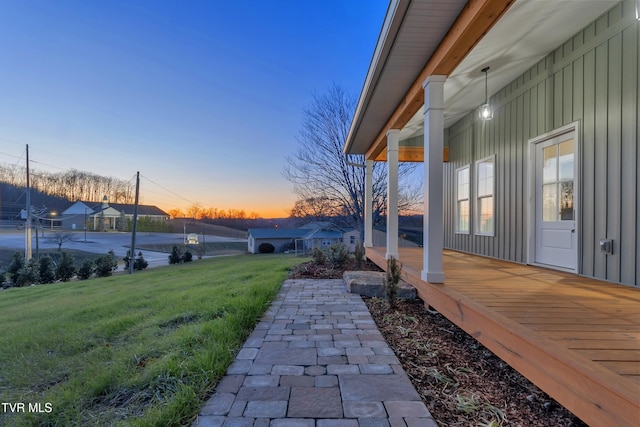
{"x": 144, "y": 349}
{"x": 213, "y": 248}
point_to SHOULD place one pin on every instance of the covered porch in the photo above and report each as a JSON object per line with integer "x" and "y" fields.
{"x": 576, "y": 338}
{"x": 485, "y": 192}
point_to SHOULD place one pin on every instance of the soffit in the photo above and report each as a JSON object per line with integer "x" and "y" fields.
{"x": 524, "y": 35}
{"x": 410, "y": 34}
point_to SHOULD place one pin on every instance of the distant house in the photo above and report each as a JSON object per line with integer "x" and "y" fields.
{"x": 105, "y": 215}
{"x": 313, "y": 235}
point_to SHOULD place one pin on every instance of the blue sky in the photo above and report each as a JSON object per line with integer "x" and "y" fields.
{"x": 204, "y": 98}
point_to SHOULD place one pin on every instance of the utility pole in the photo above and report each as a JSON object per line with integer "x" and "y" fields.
{"x": 132, "y": 255}
{"x": 27, "y": 226}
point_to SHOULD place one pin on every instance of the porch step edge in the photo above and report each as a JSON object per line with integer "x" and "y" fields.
{"x": 371, "y": 284}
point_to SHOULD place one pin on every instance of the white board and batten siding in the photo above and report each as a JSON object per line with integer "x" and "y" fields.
{"x": 592, "y": 79}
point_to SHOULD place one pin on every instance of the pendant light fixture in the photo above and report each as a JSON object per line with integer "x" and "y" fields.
{"x": 486, "y": 113}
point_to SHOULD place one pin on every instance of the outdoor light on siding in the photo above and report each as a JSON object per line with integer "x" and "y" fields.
{"x": 486, "y": 113}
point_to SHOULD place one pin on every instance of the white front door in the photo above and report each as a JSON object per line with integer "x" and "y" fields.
{"x": 555, "y": 210}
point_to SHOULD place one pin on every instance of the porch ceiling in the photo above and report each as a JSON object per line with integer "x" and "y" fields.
{"x": 411, "y": 33}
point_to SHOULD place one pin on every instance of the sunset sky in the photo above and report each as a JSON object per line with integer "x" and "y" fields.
{"x": 203, "y": 98}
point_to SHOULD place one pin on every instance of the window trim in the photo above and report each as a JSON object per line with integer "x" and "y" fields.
{"x": 477, "y": 198}
{"x": 458, "y": 200}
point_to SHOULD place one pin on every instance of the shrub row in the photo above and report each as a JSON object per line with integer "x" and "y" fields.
{"x": 45, "y": 270}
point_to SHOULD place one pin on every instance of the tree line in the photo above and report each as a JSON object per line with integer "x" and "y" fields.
{"x": 200, "y": 213}
{"x": 71, "y": 185}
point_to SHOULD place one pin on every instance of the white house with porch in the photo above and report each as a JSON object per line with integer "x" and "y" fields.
{"x": 106, "y": 216}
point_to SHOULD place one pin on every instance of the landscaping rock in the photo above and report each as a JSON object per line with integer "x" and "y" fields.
{"x": 371, "y": 284}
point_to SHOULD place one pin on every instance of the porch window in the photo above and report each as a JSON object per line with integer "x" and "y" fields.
{"x": 485, "y": 187}
{"x": 463, "y": 214}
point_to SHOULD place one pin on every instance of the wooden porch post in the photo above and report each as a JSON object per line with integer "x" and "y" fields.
{"x": 368, "y": 204}
{"x": 393, "y": 135}
{"x": 433, "y": 236}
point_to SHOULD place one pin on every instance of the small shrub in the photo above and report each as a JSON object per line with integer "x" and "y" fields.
{"x": 338, "y": 255}
{"x": 86, "y": 270}
{"x": 106, "y": 264}
{"x": 359, "y": 255}
{"x": 140, "y": 263}
{"x": 46, "y": 274}
{"x": 28, "y": 275}
{"x": 187, "y": 257}
{"x": 266, "y": 248}
{"x": 394, "y": 271}
{"x": 65, "y": 269}
{"x": 15, "y": 267}
{"x": 4, "y": 283}
{"x": 175, "y": 257}
{"x": 319, "y": 256}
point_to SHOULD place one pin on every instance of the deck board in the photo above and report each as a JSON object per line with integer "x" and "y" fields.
{"x": 577, "y": 338}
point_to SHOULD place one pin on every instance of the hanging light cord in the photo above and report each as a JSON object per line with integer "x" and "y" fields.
{"x": 486, "y": 91}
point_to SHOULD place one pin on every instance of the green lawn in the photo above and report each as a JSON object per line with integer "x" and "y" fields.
{"x": 211, "y": 248}
{"x": 142, "y": 349}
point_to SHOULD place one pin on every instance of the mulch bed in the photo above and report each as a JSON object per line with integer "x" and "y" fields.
{"x": 461, "y": 382}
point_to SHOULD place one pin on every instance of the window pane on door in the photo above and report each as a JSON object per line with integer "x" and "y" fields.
{"x": 549, "y": 167}
{"x": 550, "y": 202}
{"x": 566, "y": 160}
{"x": 566, "y": 201}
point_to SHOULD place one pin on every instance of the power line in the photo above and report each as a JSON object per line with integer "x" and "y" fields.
{"x": 20, "y": 157}
{"x": 11, "y": 155}
{"x": 47, "y": 164}
{"x": 44, "y": 175}
{"x": 170, "y": 191}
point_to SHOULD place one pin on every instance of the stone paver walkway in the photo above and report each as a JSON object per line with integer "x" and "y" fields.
{"x": 316, "y": 359}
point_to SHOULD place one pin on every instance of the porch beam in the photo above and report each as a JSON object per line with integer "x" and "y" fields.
{"x": 393, "y": 137}
{"x": 474, "y": 21}
{"x": 433, "y": 235}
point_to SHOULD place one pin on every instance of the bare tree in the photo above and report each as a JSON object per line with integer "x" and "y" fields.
{"x": 315, "y": 209}
{"x": 319, "y": 170}
{"x": 60, "y": 237}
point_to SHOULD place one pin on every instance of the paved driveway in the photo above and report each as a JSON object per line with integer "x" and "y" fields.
{"x": 101, "y": 242}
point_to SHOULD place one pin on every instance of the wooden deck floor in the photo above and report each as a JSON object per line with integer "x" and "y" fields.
{"x": 576, "y": 338}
